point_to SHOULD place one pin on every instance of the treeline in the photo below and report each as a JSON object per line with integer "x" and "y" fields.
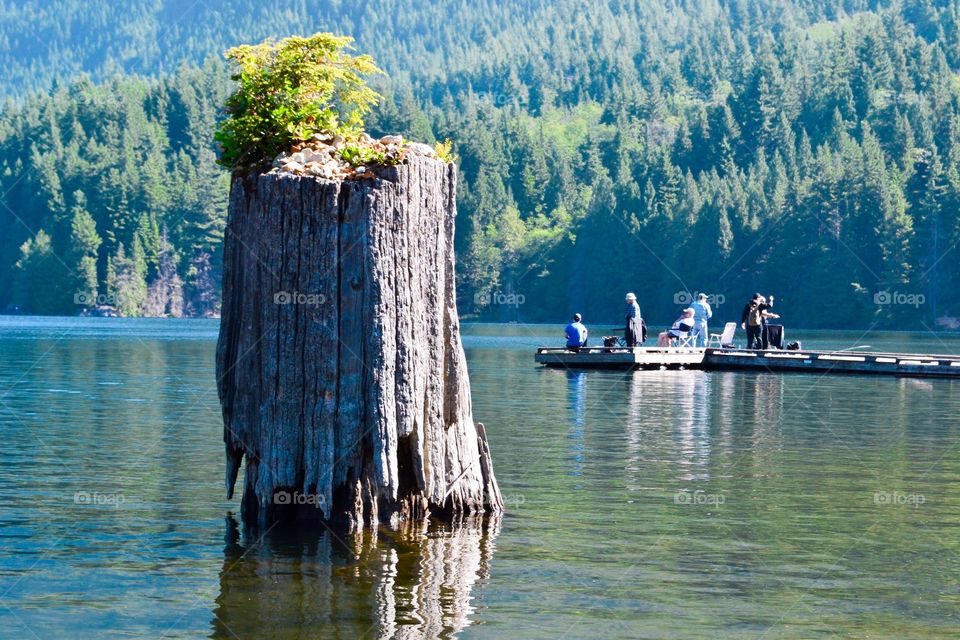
{"x": 808, "y": 149}
{"x": 111, "y": 196}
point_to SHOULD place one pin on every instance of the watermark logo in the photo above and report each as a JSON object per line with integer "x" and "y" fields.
{"x": 95, "y": 498}
{"x": 300, "y": 298}
{"x": 914, "y": 300}
{"x": 661, "y": 132}
{"x": 315, "y": 500}
{"x": 514, "y": 500}
{"x": 898, "y": 498}
{"x": 698, "y": 498}
{"x": 496, "y": 99}
{"x": 715, "y": 97}
{"x": 499, "y": 298}
{"x": 98, "y": 100}
{"x": 87, "y": 299}
{"x": 909, "y": 97}
{"x": 687, "y": 298}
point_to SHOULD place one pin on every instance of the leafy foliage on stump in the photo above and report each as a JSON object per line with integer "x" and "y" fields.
{"x": 290, "y": 91}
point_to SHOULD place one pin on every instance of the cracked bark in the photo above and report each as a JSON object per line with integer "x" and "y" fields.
{"x": 340, "y": 370}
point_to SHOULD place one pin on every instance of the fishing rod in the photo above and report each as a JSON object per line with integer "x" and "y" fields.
{"x": 859, "y": 346}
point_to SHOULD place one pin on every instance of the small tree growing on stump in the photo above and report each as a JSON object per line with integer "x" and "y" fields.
{"x": 291, "y": 90}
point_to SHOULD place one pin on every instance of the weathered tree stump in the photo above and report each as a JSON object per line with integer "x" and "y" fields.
{"x": 340, "y": 370}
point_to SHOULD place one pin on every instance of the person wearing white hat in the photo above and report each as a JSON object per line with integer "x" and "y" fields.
{"x": 633, "y": 334}
{"x": 683, "y": 324}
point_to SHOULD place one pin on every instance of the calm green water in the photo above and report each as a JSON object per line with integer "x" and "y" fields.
{"x": 648, "y": 504}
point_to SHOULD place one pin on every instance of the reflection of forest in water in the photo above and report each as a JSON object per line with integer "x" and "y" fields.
{"x": 414, "y": 582}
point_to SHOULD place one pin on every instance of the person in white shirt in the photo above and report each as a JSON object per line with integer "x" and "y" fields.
{"x": 682, "y": 324}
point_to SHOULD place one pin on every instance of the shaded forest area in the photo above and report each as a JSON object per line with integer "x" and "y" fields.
{"x": 806, "y": 149}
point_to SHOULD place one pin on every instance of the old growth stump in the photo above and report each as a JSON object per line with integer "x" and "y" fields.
{"x": 340, "y": 370}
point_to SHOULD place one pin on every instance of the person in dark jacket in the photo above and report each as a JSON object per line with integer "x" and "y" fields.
{"x": 746, "y": 310}
{"x": 633, "y": 333}
{"x": 754, "y": 325}
{"x": 754, "y": 321}
{"x": 751, "y": 322}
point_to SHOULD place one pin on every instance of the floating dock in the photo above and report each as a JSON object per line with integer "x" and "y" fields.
{"x": 823, "y": 362}
{"x": 622, "y": 357}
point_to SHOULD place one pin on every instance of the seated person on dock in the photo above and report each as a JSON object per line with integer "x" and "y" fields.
{"x": 576, "y": 334}
{"x": 683, "y": 324}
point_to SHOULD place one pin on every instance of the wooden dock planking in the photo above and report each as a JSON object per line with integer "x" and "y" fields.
{"x": 898, "y": 364}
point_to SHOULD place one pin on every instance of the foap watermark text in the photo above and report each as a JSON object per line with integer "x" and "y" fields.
{"x": 499, "y": 298}
{"x": 96, "y": 498}
{"x": 915, "y": 300}
{"x": 698, "y": 498}
{"x": 296, "y": 498}
{"x": 686, "y": 297}
{"x": 299, "y": 298}
{"x": 898, "y": 498}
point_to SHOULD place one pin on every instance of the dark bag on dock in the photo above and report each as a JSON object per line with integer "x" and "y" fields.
{"x": 775, "y": 336}
{"x": 794, "y": 346}
{"x": 611, "y": 341}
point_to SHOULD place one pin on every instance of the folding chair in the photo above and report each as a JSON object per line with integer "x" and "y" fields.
{"x": 724, "y": 339}
{"x": 687, "y": 339}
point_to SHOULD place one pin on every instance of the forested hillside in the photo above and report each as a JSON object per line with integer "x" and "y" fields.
{"x": 808, "y": 149}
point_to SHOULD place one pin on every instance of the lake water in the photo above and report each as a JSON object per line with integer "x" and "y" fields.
{"x": 674, "y": 504}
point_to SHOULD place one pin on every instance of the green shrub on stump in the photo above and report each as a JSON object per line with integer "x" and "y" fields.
{"x": 290, "y": 91}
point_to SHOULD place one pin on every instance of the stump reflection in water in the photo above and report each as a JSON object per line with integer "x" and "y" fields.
{"x": 413, "y": 582}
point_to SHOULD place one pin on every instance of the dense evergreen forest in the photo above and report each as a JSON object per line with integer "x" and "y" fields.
{"x": 809, "y": 149}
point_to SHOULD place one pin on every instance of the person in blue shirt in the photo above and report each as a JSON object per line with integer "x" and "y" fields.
{"x": 701, "y": 314}
{"x": 576, "y": 334}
